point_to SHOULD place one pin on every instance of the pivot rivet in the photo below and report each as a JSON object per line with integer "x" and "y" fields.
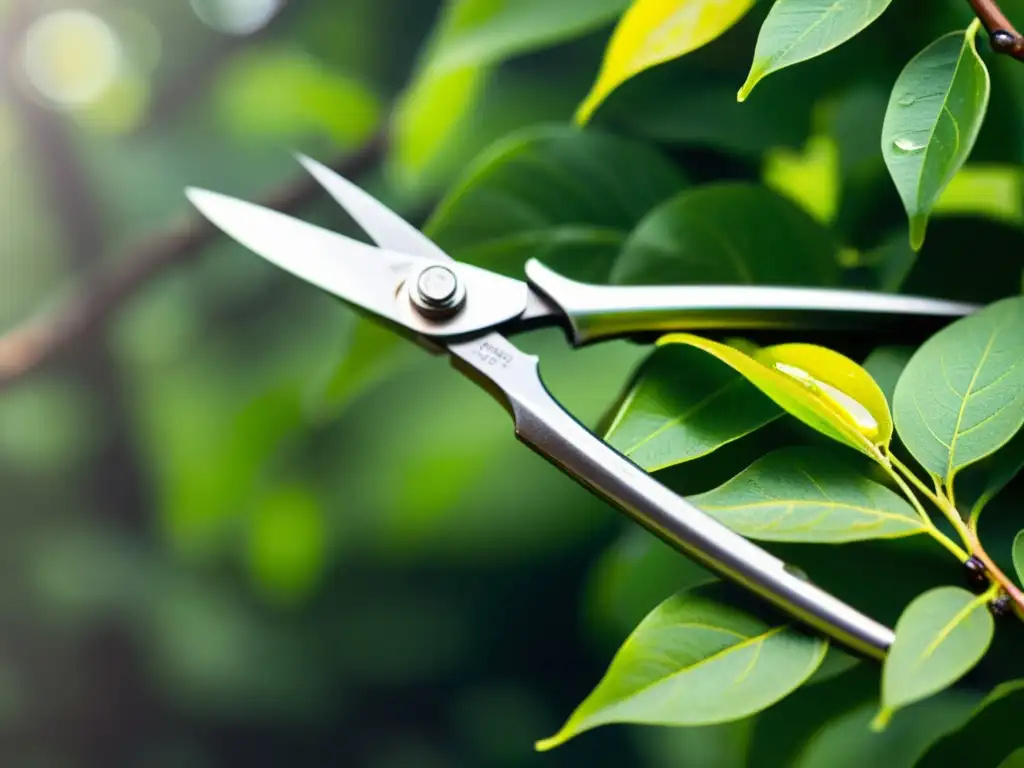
{"x": 438, "y": 292}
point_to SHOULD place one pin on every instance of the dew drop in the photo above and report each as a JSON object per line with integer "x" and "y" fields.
{"x": 907, "y": 100}
{"x": 907, "y": 145}
{"x": 854, "y": 412}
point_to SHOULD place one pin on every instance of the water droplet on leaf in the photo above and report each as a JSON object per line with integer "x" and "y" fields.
{"x": 907, "y": 100}
{"x": 908, "y": 145}
{"x": 855, "y": 413}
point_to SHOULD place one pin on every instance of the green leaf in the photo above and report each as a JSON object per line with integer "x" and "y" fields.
{"x": 960, "y": 397}
{"x": 992, "y": 733}
{"x": 809, "y": 178}
{"x": 279, "y": 93}
{"x": 935, "y": 113}
{"x": 1015, "y": 760}
{"x": 471, "y": 38}
{"x": 555, "y": 193}
{"x": 939, "y": 638}
{"x": 728, "y": 232}
{"x": 427, "y": 117}
{"x": 979, "y": 483}
{"x": 287, "y": 544}
{"x": 704, "y": 112}
{"x": 655, "y": 31}
{"x": 1018, "y": 556}
{"x": 798, "y": 392}
{"x": 685, "y": 404}
{"x": 371, "y": 352}
{"x": 805, "y": 494}
{"x": 847, "y": 742}
{"x": 489, "y": 31}
{"x": 996, "y": 191}
{"x": 885, "y": 365}
{"x": 697, "y": 660}
{"x": 797, "y": 30}
{"x": 634, "y": 575}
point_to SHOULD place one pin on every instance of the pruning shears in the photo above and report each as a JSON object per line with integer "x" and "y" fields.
{"x": 449, "y": 307}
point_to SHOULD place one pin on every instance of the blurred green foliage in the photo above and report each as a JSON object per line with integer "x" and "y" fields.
{"x": 244, "y": 527}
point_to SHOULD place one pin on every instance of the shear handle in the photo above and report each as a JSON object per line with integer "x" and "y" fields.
{"x": 546, "y": 427}
{"x": 596, "y": 312}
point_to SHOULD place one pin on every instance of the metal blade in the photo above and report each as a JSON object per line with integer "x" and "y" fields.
{"x": 358, "y": 273}
{"x": 385, "y": 226}
{"x": 363, "y": 275}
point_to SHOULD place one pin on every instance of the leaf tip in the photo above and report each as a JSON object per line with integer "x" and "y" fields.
{"x": 882, "y": 719}
{"x": 754, "y": 77}
{"x": 545, "y": 745}
{"x": 918, "y": 225}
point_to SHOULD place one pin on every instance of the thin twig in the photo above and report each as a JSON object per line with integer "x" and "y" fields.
{"x": 40, "y": 340}
{"x": 1003, "y": 36}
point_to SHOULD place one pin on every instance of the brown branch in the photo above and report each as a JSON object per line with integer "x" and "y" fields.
{"x": 40, "y": 340}
{"x": 1002, "y": 35}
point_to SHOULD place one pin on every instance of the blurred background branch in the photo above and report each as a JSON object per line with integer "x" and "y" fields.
{"x": 41, "y": 339}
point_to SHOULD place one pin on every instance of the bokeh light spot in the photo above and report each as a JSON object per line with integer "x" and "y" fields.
{"x": 236, "y": 17}
{"x": 71, "y": 57}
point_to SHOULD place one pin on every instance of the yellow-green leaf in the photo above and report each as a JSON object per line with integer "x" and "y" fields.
{"x": 939, "y": 638}
{"x": 996, "y": 191}
{"x": 818, "y": 402}
{"x": 655, "y": 31}
{"x": 840, "y": 381}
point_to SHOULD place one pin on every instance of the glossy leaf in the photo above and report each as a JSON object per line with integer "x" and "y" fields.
{"x": 961, "y": 396}
{"x": 797, "y": 30}
{"x": 555, "y": 193}
{"x": 489, "y": 31}
{"x": 812, "y": 495}
{"x": 685, "y": 404}
{"x": 654, "y": 31}
{"x": 838, "y": 380}
{"x": 728, "y": 232}
{"x": 935, "y": 113}
{"x": 939, "y": 638}
{"x": 791, "y": 394}
{"x": 979, "y": 483}
{"x": 1018, "y": 556}
{"x": 697, "y": 660}
{"x": 991, "y": 734}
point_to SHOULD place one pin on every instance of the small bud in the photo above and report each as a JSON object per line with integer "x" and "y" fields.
{"x": 1001, "y": 606}
{"x": 1002, "y": 41}
{"x": 977, "y": 574}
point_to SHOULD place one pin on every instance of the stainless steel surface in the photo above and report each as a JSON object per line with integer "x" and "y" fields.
{"x": 391, "y": 231}
{"x": 387, "y": 228}
{"x": 387, "y": 282}
{"x": 439, "y": 293}
{"x": 604, "y": 311}
{"x": 368, "y": 277}
{"x": 545, "y": 426}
